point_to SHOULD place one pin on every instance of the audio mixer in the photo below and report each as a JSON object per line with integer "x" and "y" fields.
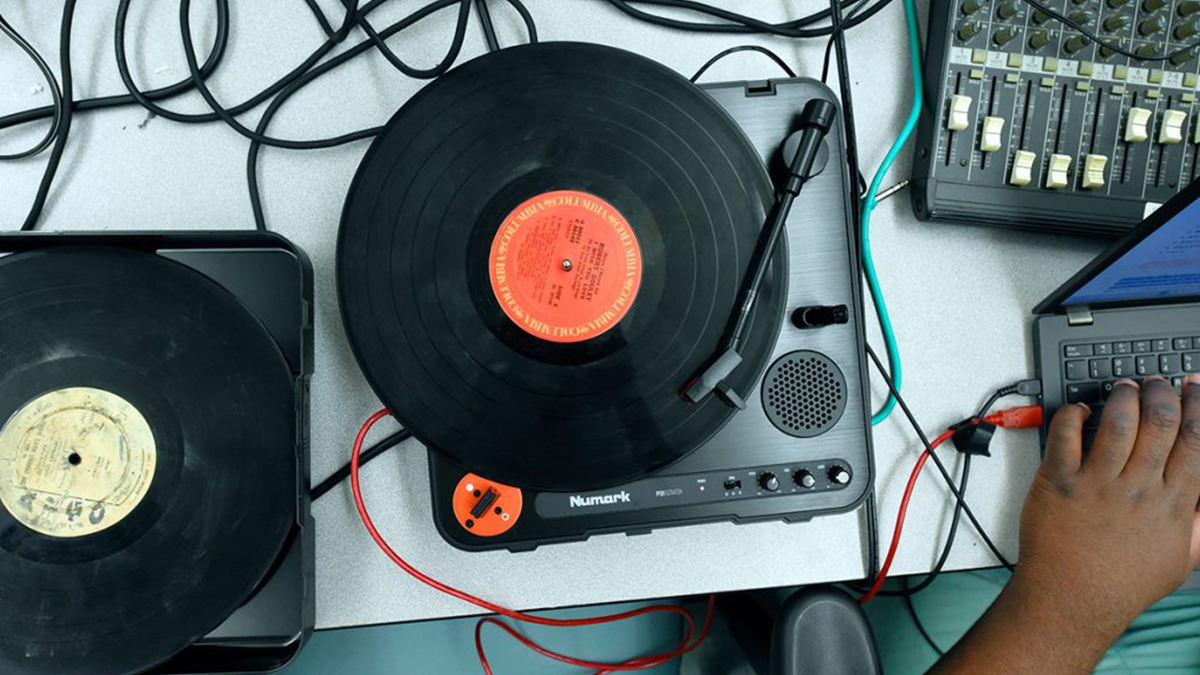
{"x": 1034, "y": 125}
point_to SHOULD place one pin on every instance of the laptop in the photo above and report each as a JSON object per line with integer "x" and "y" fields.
{"x": 1132, "y": 312}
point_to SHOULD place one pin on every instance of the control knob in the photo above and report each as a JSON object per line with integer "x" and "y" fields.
{"x": 1116, "y": 22}
{"x": 1004, "y": 36}
{"x": 804, "y": 479}
{"x": 769, "y": 482}
{"x": 838, "y": 475}
{"x": 1152, "y": 25}
{"x": 1074, "y": 44}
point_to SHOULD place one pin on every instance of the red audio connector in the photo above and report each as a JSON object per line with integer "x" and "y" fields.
{"x": 1023, "y": 417}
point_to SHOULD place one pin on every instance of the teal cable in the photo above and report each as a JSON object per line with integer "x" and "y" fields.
{"x": 869, "y": 203}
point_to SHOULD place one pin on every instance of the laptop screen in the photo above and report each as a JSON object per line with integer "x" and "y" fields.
{"x": 1166, "y": 264}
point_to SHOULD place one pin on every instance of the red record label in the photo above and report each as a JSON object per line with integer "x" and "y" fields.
{"x": 565, "y": 266}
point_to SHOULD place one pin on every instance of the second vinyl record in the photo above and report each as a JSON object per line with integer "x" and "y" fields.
{"x": 539, "y": 251}
{"x": 147, "y": 459}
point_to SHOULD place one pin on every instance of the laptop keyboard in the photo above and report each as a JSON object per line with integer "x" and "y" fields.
{"x": 1091, "y": 369}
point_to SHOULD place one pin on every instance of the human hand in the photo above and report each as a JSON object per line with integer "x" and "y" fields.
{"x": 1105, "y": 536}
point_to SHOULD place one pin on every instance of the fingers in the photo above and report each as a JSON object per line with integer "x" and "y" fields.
{"x": 1118, "y": 430}
{"x": 1157, "y": 429}
{"x": 1064, "y": 442}
{"x": 1194, "y": 552}
{"x": 1183, "y": 468}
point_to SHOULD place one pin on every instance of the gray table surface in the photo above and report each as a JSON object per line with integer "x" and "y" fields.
{"x": 960, "y": 295}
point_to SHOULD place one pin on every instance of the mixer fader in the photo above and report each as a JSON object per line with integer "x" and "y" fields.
{"x": 1033, "y": 124}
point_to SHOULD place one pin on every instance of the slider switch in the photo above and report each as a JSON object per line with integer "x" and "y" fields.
{"x": 1137, "y": 125}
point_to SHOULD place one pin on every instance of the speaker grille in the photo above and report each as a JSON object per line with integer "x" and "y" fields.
{"x": 804, "y": 394}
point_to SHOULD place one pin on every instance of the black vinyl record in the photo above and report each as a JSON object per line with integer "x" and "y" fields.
{"x": 538, "y": 252}
{"x": 147, "y": 459}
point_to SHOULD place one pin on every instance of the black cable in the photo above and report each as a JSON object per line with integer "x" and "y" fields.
{"x": 1075, "y": 25}
{"x": 530, "y": 28}
{"x": 334, "y": 479}
{"x": 220, "y": 41}
{"x": 912, "y": 612}
{"x": 950, "y": 536}
{"x": 51, "y": 82}
{"x": 489, "y": 28}
{"x": 326, "y": 27}
{"x": 64, "y": 121}
{"x": 738, "y": 23}
{"x": 744, "y": 48}
{"x": 825, "y": 62}
{"x": 314, "y": 73}
{"x": 937, "y": 461}
{"x": 964, "y": 476}
{"x": 456, "y": 44}
{"x": 189, "y": 53}
{"x": 845, "y": 90}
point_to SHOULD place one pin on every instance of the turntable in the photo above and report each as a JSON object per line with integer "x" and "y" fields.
{"x": 544, "y": 245}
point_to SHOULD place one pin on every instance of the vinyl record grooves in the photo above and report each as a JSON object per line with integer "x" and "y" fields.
{"x": 537, "y": 253}
{"x": 147, "y": 459}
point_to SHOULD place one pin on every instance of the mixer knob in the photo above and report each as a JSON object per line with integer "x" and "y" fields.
{"x": 1152, "y": 25}
{"x": 1106, "y": 51}
{"x": 969, "y": 7}
{"x": 1180, "y": 59}
{"x": 1075, "y": 43}
{"x": 1038, "y": 39}
{"x": 1146, "y": 51}
{"x": 1117, "y": 4}
{"x": 1184, "y": 31}
{"x": 1040, "y": 17}
{"x": 1082, "y": 16}
{"x": 968, "y": 31}
{"x": 1007, "y": 10}
{"x": 1154, "y": 5}
{"x": 1004, "y": 36}
{"x": 1116, "y": 22}
{"x": 804, "y": 479}
{"x": 1080, "y": 2}
{"x": 1187, "y": 8}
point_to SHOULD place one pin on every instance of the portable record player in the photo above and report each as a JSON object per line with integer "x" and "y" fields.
{"x": 181, "y": 301}
{"x": 545, "y": 244}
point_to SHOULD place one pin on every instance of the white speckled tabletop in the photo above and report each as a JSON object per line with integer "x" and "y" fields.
{"x": 960, "y": 295}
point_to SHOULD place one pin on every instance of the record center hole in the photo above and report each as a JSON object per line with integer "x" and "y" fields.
{"x": 74, "y": 459}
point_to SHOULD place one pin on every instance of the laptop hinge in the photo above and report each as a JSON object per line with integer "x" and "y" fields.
{"x": 1079, "y": 315}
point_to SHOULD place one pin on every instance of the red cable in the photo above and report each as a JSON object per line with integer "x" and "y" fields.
{"x": 908, "y": 490}
{"x": 639, "y": 663}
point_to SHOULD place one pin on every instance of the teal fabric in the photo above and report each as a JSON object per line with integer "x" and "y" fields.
{"x": 1163, "y": 641}
{"x": 448, "y": 647}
